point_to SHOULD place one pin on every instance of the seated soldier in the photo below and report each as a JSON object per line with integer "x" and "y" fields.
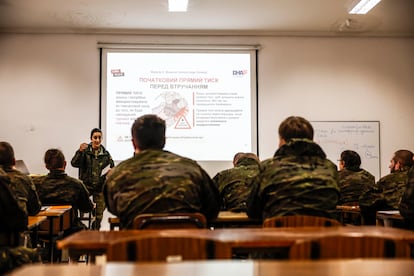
{"x": 386, "y": 194}
{"x": 21, "y": 184}
{"x": 13, "y": 220}
{"x": 353, "y": 180}
{"x": 235, "y": 184}
{"x": 299, "y": 180}
{"x": 406, "y": 206}
{"x": 57, "y": 188}
{"x": 158, "y": 181}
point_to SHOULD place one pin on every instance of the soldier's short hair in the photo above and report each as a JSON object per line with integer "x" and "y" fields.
{"x": 295, "y": 127}
{"x": 95, "y": 130}
{"x": 54, "y": 159}
{"x": 405, "y": 157}
{"x": 351, "y": 159}
{"x": 241, "y": 155}
{"x": 148, "y": 131}
{"x": 6, "y": 154}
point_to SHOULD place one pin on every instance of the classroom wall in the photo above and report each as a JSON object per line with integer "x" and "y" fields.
{"x": 49, "y": 85}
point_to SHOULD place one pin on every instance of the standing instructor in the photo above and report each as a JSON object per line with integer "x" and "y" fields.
{"x": 92, "y": 159}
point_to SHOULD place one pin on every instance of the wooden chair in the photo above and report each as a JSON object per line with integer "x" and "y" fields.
{"x": 347, "y": 247}
{"x": 299, "y": 221}
{"x": 150, "y": 249}
{"x": 170, "y": 221}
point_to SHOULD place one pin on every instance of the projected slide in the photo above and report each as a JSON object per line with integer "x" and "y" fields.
{"x": 206, "y": 100}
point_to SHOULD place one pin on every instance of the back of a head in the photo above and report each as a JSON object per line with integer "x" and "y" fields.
{"x": 54, "y": 159}
{"x": 6, "y": 155}
{"x": 245, "y": 155}
{"x": 405, "y": 157}
{"x": 295, "y": 127}
{"x": 351, "y": 159}
{"x": 148, "y": 132}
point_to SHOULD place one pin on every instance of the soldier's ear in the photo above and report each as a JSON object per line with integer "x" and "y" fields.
{"x": 64, "y": 164}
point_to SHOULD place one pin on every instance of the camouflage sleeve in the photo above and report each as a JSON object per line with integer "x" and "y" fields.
{"x": 33, "y": 201}
{"x": 406, "y": 205}
{"x": 11, "y": 258}
{"x": 77, "y": 159}
{"x": 210, "y": 197}
{"x": 254, "y": 205}
{"x": 371, "y": 197}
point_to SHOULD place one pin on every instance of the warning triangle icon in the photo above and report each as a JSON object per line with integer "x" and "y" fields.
{"x": 182, "y": 123}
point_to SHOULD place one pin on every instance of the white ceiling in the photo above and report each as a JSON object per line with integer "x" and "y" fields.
{"x": 227, "y": 17}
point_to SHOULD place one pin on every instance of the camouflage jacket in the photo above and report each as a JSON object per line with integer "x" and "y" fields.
{"x": 59, "y": 188}
{"x": 406, "y": 205}
{"x": 298, "y": 180}
{"x": 157, "y": 181}
{"x": 91, "y": 166}
{"x": 387, "y": 192}
{"x": 352, "y": 183}
{"x": 235, "y": 184}
{"x": 13, "y": 217}
{"x": 24, "y": 190}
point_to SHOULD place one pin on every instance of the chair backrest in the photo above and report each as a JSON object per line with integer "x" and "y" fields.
{"x": 346, "y": 247}
{"x": 170, "y": 221}
{"x": 299, "y": 221}
{"x": 150, "y": 248}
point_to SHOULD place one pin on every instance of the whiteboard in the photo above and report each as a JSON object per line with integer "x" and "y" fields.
{"x": 360, "y": 136}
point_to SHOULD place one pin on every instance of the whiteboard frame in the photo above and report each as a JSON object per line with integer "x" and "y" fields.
{"x": 375, "y": 125}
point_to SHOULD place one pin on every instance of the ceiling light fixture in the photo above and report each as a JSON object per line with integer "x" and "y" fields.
{"x": 364, "y": 6}
{"x": 177, "y": 5}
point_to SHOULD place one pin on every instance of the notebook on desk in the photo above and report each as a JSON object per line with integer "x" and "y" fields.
{"x": 21, "y": 166}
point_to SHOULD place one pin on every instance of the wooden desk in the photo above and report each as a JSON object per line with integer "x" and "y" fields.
{"x": 390, "y": 218}
{"x": 230, "y": 268}
{"x": 35, "y": 221}
{"x": 240, "y": 239}
{"x": 350, "y": 214}
{"x": 114, "y": 223}
{"x": 59, "y": 219}
{"x": 225, "y": 219}
{"x": 33, "y": 226}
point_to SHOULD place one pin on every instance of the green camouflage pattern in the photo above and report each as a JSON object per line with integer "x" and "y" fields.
{"x": 406, "y": 206}
{"x": 299, "y": 180}
{"x": 91, "y": 166}
{"x": 59, "y": 188}
{"x": 235, "y": 184}
{"x": 14, "y": 257}
{"x": 90, "y": 172}
{"x": 13, "y": 219}
{"x": 352, "y": 184}
{"x": 158, "y": 181}
{"x": 13, "y": 216}
{"x": 25, "y": 191}
{"x": 387, "y": 193}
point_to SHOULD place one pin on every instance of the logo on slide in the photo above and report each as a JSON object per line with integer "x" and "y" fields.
{"x": 239, "y": 73}
{"x": 117, "y": 73}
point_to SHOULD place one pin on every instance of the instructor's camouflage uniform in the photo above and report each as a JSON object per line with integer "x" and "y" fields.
{"x": 158, "y": 181}
{"x": 299, "y": 180}
{"x": 235, "y": 184}
{"x": 90, "y": 169}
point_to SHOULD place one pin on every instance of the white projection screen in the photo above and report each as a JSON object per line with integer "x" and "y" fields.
{"x": 206, "y": 94}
